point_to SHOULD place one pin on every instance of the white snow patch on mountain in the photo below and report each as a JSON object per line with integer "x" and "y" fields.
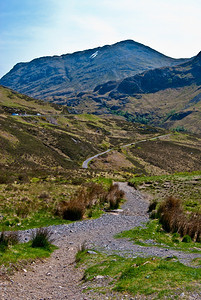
{"x": 94, "y": 54}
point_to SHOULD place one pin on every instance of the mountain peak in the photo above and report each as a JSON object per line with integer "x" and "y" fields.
{"x": 59, "y": 76}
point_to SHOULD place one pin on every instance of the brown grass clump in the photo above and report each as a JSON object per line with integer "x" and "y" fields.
{"x": 73, "y": 210}
{"x": 88, "y": 196}
{"x": 173, "y": 219}
{"x": 194, "y": 228}
{"x": 114, "y": 196}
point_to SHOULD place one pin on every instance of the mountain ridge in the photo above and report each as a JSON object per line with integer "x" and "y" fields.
{"x": 58, "y": 76}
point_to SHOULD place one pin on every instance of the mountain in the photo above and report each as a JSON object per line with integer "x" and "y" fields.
{"x": 155, "y": 80}
{"x": 169, "y": 97}
{"x": 54, "y": 78}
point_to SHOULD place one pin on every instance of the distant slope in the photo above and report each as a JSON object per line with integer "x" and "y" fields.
{"x": 39, "y": 136}
{"x": 55, "y": 77}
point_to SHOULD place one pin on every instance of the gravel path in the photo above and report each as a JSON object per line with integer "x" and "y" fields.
{"x": 57, "y": 278}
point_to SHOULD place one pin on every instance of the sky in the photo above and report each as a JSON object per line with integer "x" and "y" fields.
{"x": 35, "y": 28}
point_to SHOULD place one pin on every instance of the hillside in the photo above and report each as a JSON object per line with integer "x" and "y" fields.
{"x": 41, "y": 137}
{"x": 168, "y": 97}
{"x": 54, "y": 78}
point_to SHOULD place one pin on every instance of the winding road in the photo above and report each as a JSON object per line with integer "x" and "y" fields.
{"x": 86, "y": 162}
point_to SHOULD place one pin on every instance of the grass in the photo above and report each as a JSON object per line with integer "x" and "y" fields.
{"x": 152, "y": 234}
{"x": 39, "y": 201}
{"x": 140, "y": 276}
{"x": 38, "y": 219}
{"x": 185, "y": 185}
{"x": 106, "y": 182}
{"x": 14, "y": 255}
{"x": 18, "y": 255}
{"x": 41, "y": 238}
{"x": 32, "y": 204}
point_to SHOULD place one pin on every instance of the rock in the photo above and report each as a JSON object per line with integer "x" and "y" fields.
{"x": 91, "y": 252}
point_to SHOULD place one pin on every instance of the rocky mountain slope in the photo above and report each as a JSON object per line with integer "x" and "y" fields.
{"x": 168, "y": 97}
{"x": 54, "y": 78}
{"x": 155, "y": 80}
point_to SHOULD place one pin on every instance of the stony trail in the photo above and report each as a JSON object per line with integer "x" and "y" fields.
{"x": 57, "y": 278}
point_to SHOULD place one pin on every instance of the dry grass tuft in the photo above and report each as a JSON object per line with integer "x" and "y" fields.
{"x": 173, "y": 219}
{"x": 114, "y": 196}
{"x": 41, "y": 238}
{"x": 88, "y": 196}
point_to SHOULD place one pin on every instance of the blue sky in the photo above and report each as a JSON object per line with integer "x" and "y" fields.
{"x": 34, "y": 28}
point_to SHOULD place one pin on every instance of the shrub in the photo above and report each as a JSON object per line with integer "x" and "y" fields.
{"x": 170, "y": 212}
{"x": 8, "y": 239}
{"x": 41, "y": 238}
{"x": 73, "y": 211}
{"x": 3, "y": 242}
{"x": 173, "y": 219}
{"x": 114, "y": 196}
{"x": 194, "y": 227}
{"x": 94, "y": 194}
{"x": 88, "y": 196}
{"x": 186, "y": 239}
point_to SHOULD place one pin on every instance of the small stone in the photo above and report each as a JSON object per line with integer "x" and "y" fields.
{"x": 91, "y": 252}
{"x": 99, "y": 277}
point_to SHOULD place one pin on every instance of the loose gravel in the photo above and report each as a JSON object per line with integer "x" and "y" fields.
{"x": 57, "y": 278}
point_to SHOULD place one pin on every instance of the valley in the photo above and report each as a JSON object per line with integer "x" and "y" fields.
{"x": 100, "y": 167}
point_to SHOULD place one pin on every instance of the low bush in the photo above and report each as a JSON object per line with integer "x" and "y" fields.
{"x": 7, "y": 239}
{"x": 114, "y": 196}
{"x": 186, "y": 239}
{"x": 73, "y": 211}
{"x": 41, "y": 238}
{"x": 173, "y": 219}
